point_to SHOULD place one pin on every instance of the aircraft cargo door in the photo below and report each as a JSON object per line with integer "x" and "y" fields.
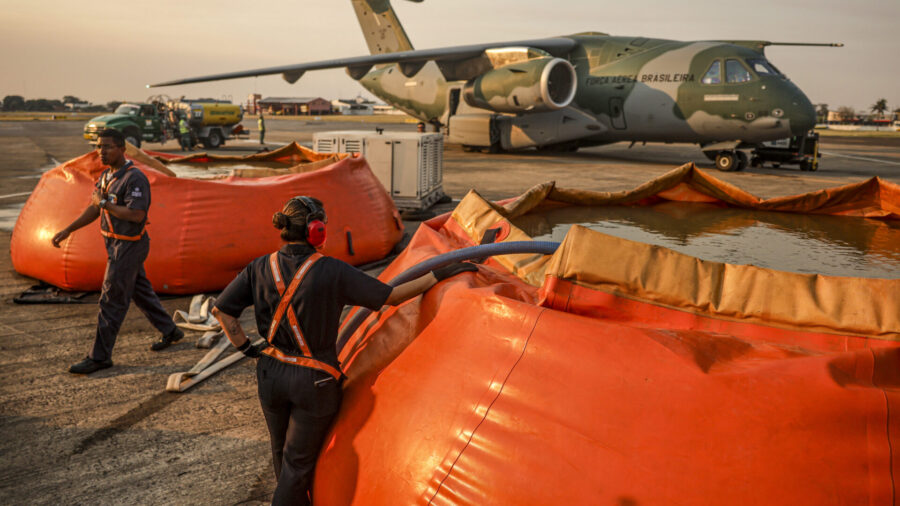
{"x": 453, "y": 101}
{"x": 617, "y": 113}
{"x": 453, "y": 97}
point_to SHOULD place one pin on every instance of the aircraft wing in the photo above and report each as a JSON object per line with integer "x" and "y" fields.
{"x": 456, "y": 63}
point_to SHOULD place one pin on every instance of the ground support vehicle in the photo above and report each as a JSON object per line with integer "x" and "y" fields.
{"x": 211, "y": 123}
{"x": 802, "y": 150}
{"x": 137, "y": 121}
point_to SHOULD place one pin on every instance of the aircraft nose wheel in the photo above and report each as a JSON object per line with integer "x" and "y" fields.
{"x": 728, "y": 161}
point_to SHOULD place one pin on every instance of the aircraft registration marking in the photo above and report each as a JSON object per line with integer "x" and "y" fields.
{"x": 721, "y": 98}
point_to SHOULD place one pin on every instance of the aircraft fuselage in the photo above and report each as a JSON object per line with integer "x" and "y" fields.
{"x": 626, "y": 89}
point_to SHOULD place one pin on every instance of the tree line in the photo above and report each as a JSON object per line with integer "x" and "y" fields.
{"x": 847, "y": 113}
{"x": 20, "y": 103}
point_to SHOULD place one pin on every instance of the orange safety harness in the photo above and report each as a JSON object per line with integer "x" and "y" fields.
{"x": 110, "y": 232}
{"x": 285, "y": 307}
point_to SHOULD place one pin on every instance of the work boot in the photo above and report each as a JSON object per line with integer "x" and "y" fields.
{"x": 167, "y": 339}
{"x": 89, "y": 365}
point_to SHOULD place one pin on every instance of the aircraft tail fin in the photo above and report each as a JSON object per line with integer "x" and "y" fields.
{"x": 380, "y": 26}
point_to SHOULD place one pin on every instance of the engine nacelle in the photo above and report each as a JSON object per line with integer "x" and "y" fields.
{"x": 541, "y": 84}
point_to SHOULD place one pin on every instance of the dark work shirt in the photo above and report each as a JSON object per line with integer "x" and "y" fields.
{"x": 329, "y": 286}
{"x": 129, "y": 188}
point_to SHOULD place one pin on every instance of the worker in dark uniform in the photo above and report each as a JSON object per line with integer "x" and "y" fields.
{"x": 122, "y": 198}
{"x": 298, "y": 295}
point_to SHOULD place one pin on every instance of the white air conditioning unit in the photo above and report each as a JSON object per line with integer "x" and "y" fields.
{"x": 340, "y": 142}
{"x": 408, "y": 164}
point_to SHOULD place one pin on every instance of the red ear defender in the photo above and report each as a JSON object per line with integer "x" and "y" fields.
{"x": 315, "y": 233}
{"x": 315, "y": 221}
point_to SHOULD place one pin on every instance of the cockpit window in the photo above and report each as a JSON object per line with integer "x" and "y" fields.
{"x": 762, "y": 67}
{"x": 735, "y": 72}
{"x": 714, "y": 74}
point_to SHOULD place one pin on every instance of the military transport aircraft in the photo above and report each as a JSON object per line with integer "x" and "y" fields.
{"x": 586, "y": 89}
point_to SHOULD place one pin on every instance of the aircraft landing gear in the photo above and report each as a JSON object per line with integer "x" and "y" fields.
{"x": 728, "y": 161}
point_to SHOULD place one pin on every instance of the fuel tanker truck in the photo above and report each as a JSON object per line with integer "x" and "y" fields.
{"x": 211, "y": 122}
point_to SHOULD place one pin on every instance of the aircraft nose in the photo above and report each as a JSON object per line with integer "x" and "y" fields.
{"x": 802, "y": 115}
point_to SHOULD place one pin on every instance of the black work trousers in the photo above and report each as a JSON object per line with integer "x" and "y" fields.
{"x": 299, "y": 414}
{"x": 125, "y": 280}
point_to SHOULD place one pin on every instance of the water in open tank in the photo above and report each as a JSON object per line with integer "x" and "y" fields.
{"x": 218, "y": 169}
{"x": 804, "y": 243}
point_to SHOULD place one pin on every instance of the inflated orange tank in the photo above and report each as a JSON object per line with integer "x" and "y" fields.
{"x": 203, "y": 232}
{"x": 617, "y": 372}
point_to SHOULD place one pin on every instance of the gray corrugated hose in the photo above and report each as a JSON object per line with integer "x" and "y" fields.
{"x": 422, "y": 268}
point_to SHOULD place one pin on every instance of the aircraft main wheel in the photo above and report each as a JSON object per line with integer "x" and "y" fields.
{"x": 776, "y": 165}
{"x": 804, "y": 165}
{"x": 755, "y": 161}
{"x": 741, "y": 160}
{"x": 726, "y": 161}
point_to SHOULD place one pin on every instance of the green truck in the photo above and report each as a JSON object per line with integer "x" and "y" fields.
{"x": 211, "y": 123}
{"x": 138, "y": 121}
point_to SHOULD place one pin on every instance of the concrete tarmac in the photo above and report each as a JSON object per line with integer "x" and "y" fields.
{"x": 116, "y": 437}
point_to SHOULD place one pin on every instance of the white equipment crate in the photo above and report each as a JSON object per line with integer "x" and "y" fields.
{"x": 408, "y": 164}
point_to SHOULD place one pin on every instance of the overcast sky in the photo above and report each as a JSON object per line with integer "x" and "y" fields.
{"x": 106, "y": 50}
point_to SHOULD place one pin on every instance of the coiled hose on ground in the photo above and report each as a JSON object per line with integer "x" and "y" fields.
{"x": 460, "y": 255}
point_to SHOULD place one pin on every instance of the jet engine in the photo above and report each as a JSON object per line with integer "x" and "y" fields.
{"x": 541, "y": 84}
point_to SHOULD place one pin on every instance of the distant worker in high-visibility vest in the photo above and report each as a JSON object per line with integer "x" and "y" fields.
{"x": 262, "y": 128}
{"x": 121, "y": 201}
{"x": 185, "y": 132}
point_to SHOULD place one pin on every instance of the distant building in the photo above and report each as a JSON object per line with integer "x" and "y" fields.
{"x": 293, "y": 106}
{"x": 837, "y": 117}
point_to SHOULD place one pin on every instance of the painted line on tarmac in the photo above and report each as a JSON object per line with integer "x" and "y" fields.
{"x": 863, "y": 158}
{"x": 11, "y": 195}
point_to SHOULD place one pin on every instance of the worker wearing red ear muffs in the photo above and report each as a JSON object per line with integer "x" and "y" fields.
{"x": 298, "y": 295}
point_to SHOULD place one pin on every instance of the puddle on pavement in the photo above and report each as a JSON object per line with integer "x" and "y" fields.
{"x": 217, "y": 170}
{"x": 8, "y": 216}
{"x": 805, "y": 243}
